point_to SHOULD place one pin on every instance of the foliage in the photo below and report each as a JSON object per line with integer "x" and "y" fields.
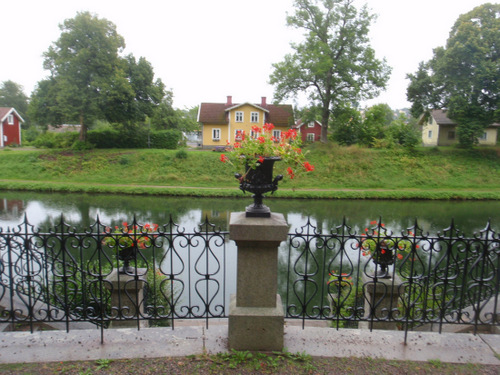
{"x": 130, "y": 235}
{"x": 168, "y": 139}
{"x": 343, "y": 293}
{"x": 404, "y": 132}
{"x": 379, "y": 240}
{"x": 462, "y": 77}
{"x": 375, "y": 124}
{"x": 346, "y": 125}
{"x": 334, "y": 65}
{"x": 55, "y": 140}
{"x": 12, "y": 95}
{"x": 90, "y": 81}
{"x": 251, "y": 151}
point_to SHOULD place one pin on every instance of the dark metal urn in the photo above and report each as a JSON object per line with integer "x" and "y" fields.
{"x": 384, "y": 257}
{"x": 127, "y": 254}
{"x": 259, "y": 181}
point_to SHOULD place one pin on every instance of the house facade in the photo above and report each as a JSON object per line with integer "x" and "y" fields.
{"x": 10, "y": 127}
{"x": 310, "y": 131}
{"x": 439, "y": 130}
{"x": 223, "y": 124}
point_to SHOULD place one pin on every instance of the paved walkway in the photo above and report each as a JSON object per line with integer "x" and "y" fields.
{"x": 45, "y": 346}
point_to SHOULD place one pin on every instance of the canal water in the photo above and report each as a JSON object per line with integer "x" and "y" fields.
{"x": 44, "y": 210}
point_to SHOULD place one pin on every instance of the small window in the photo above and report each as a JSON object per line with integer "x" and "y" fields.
{"x": 277, "y": 135}
{"x": 429, "y": 134}
{"x": 254, "y": 134}
{"x": 254, "y": 117}
{"x": 216, "y": 134}
{"x": 311, "y": 124}
{"x": 451, "y": 134}
{"x": 484, "y": 136}
{"x": 238, "y": 135}
{"x": 310, "y": 137}
{"x": 238, "y": 116}
{"x": 10, "y": 120}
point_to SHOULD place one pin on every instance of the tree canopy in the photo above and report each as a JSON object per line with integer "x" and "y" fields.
{"x": 335, "y": 65}
{"x": 12, "y": 95}
{"x": 89, "y": 80}
{"x": 463, "y": 76}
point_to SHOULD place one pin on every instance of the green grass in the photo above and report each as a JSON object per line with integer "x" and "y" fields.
{"x": 340, "y": 172}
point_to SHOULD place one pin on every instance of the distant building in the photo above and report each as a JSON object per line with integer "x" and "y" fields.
{"x": 10, "y": 129}
{"x": 310, "y": 131}
{"x": 439, "y": 130}
{"x": 224, "y": 123}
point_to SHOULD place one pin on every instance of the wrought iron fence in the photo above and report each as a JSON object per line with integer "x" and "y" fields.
{"x": 372, "y": 277}
{"x": 380, "y": 279}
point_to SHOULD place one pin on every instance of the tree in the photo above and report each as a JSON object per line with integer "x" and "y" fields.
{"x": 463, "y": 76}
{"x": 346, "y": 125}
{"x": 375, "y": 124}
{"x": 12, "y": 95}
{"x": 90, "y": 81}
{"x": 335, "y": 65}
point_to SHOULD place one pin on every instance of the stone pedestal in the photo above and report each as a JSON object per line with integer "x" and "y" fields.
{"x": 127, "y": 292}
{"x": 382, "y": 295}
{"x": 256, "y": 316}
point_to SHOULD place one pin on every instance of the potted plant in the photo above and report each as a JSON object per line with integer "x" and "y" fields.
{"x": 127, "y": 239}
{"x": 382, "y": 248}
{"x": 256, "y": 154}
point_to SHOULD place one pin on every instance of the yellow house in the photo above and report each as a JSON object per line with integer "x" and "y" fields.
{"x": 223, "y": 123}
{"x": 439, "y": 130}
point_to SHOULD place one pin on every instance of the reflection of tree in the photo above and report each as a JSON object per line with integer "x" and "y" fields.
{"x": 11, "y": 209}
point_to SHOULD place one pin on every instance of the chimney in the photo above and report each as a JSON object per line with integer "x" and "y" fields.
{"x": 229, "y": 100}
{"x": 263, "y": 102}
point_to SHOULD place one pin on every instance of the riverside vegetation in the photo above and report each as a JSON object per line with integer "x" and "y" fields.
{"x": 340, "y": 172}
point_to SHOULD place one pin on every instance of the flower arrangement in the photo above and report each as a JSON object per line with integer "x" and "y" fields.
{"x": 129, "y": 235}
{"x": 251, "y": 150}
{"x": 381, "y": 238}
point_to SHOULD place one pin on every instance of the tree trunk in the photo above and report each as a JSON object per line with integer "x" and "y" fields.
{"x": 83, "y": 130}
{"x": 325, "y": 115}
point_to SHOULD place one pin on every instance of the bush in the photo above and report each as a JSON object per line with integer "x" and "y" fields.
{"x": 55, "y": 140}
{"x": 168, "y": 139}
{"x": 181, "y": 154}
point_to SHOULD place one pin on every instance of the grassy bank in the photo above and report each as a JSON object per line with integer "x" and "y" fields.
{"x": 341, "y": 172}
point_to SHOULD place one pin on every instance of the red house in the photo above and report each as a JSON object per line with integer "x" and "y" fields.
{"x": 10, "y": 127}
{"x": 311, "y": 131}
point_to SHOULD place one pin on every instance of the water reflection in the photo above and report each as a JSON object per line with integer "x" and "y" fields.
{"x": 44, "y": 210}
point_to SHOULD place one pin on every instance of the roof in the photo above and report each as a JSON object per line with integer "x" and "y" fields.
{"x": 6, "y": 111}
{"x": 299, "y": 123}
{"x": 441, "y": 118}
{"x": 215, "y": 113}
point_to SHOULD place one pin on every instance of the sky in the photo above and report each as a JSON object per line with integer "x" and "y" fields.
{"x": 206, "y": 50}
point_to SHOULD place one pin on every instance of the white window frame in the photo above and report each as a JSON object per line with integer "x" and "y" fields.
{"x": 236, "y": 134}
{"x": 216, "y": 134}
{"x": 254, "y": 134}
{"x": 238, "y": 116}
{"x": 10, "y": 119}
{"x": 310, "y": 124}
{"x": 277, "y": 134}
{"x": 254, "y": 117}
{"x": 310, "y": 137}
{"x": 484, "y": 136}
{"x": 429, "y": 134}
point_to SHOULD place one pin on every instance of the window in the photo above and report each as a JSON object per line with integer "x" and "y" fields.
{"x": 238, "y": 135}
{"x": 310, "y": 137}
{"x": 254, "y": 117}
{"x": 451, "y": 134}
{"x": 216, "y": 134}
{"x": 238, "y": 116}
{"x": 277, "y": 134}
{"x": 253, "y": 134}
{"x": 10, "y": 119}
{"x": 311, "y": 124}
{"x": 429, "y": 134}
{"x": 484, "y": 136}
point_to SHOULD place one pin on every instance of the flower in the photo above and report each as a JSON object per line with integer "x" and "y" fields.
{"x": 380, "y": 240}
{"x": 250, "y": 151}
{"x": 130, "y": 235}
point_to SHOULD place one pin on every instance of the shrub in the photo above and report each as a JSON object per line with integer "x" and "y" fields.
{"x": 168, "y": 139}
{"x": 181, "y": 154}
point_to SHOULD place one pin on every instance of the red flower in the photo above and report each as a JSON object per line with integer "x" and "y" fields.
{"x": 373, "y": 222}
{"x": 308, "y": 167}
{"x": 400, "y": 256}
{"x": 261, "y": 159}
{"x": 290, "y": 172}
{"x": 382, "y": 251}
{"x": 261, "y": 139}
{"x": 223, "y": 158}
{"x": 268, "y": 127}
{"x": 237, "y": 144}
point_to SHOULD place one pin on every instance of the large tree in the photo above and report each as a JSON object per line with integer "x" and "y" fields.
{"x": 463, "y": 76}
{"x": 12, "y": 95}
{"x": 89, "y": 80}
{"x": 335, "y": 65}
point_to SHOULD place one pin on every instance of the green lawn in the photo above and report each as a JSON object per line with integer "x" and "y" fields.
{"x": 340, "y": 172}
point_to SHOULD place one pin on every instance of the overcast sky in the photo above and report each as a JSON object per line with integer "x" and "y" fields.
{"x": 205, "y": 50}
